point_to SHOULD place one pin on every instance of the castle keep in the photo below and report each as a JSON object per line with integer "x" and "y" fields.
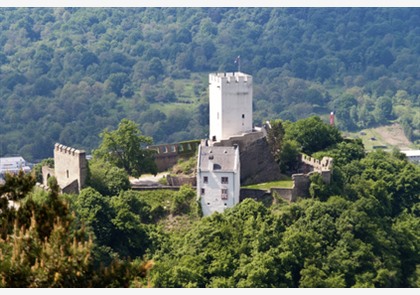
{"x": 230, "y": 105}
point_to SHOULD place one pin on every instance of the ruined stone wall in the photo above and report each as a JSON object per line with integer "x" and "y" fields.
{"x": 323, "y": 167}
{"x": 167, "y": 155}
{"x": 179, "y": 181}
{"x": 284, "y": 193}
{"x": 248, "y": 193}
{"x": 70, "y": 165}
{"x": 301, "y": 184}
{"x": 47, "y": 172}
{"x": 257, "y": 162}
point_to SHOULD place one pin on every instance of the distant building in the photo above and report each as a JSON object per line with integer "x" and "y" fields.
{"x": 412, "y": 155}
{"x": 13, "y": 165}
{"x": 218, "y": 178}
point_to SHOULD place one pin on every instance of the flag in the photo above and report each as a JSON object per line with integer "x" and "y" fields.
{"x": 332, "y": 118}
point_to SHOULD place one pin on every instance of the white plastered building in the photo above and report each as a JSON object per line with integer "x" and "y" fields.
{"x": 218, "y": 178}
{"x": 412, "y": 155}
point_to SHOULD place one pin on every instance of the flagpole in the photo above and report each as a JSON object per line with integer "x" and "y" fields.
{"x": 238, "y": 61}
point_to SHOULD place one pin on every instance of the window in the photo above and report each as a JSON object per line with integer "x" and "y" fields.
{"x": 225, "y": 180}
{"x": 203, "y": 191}
{"x": 217, "y": 167}
{"x": 224, "y": 194}
{"x": 67, "y": 172}
{"x": 243, "y": 116}
{"x": 206, "y": 179}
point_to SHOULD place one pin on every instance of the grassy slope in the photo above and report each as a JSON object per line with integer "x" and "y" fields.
{"x": 389, "y": 136}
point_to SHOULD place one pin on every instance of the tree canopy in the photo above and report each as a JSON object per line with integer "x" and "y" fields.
{"x": 125, "y": 148}
{"x": 68, "y": 73}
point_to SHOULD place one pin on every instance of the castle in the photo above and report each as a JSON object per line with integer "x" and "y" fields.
{"x": 235, "y": 151}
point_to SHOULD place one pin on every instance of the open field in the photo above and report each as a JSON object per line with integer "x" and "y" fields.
{"x": 384, "y": 137}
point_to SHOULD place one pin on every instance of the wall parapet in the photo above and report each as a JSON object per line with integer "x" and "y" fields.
{"x": 68, "y": 150}
{"x": 230, "y": 77}
{"x": 167, "y": 155}
{"x": 318, "y": 165}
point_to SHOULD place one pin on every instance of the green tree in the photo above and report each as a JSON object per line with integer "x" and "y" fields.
{"x": 16, "y": 187}
{"x": 95, "y": 211}
{"x": 38, "y": 168}
{"x": 344, "y": 152}
{"x": 289, "y": 157}
{"x": 125, "y": 148}
{"x": 184, "y": 201}
{"x": 383, "y": 109}
{"x": 275, "y": 135}
{"x": 106, "y": 178}
{"x": 313, "y": 134}
{"x": 130, "y": 231}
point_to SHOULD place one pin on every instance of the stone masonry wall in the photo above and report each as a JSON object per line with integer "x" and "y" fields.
{"x": 69, "y": 165}
{"x": 167, "y": 155}
{"x": 257, "y": 162}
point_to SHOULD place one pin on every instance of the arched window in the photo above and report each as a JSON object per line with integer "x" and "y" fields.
{"x": 217, "y": 167}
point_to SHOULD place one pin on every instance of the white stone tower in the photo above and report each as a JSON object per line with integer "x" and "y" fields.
{"x": 230, "y": 103}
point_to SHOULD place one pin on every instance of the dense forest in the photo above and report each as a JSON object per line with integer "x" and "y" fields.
{"x": 66, "y": 74}
{"x": 361, "y": 230}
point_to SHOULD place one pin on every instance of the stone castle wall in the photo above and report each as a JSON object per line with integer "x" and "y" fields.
{"x": 323, "y": 167}
{"x": 167, "y": 155}
{"x": 70, "y": 166}
{"x": 257, "y": 162}
{"x": 179, "y": 181}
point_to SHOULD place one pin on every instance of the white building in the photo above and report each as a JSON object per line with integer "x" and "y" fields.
{"x": 412, "y": 155}
{"x": 13, "y": 165}
{"x": 218, "y": 178}
{"x": 230, "y": 104}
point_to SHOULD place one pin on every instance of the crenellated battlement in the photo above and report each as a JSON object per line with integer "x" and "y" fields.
{"x": 59, "y": 148}
{"x": 318, "y": 165}
{"x": 227, "y": 78}
{"x": 70, "y": 168}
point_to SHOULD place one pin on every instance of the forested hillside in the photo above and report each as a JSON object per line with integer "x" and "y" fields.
{"x": 361, "y": 230}
{"x": 68, "y": 73}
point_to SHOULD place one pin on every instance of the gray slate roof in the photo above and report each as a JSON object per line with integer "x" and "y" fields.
{"x": 218, "y": 158}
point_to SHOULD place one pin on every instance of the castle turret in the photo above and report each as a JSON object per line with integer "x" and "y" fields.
{"x": 70, "y": 168}
{"x": 230, "y": 99}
